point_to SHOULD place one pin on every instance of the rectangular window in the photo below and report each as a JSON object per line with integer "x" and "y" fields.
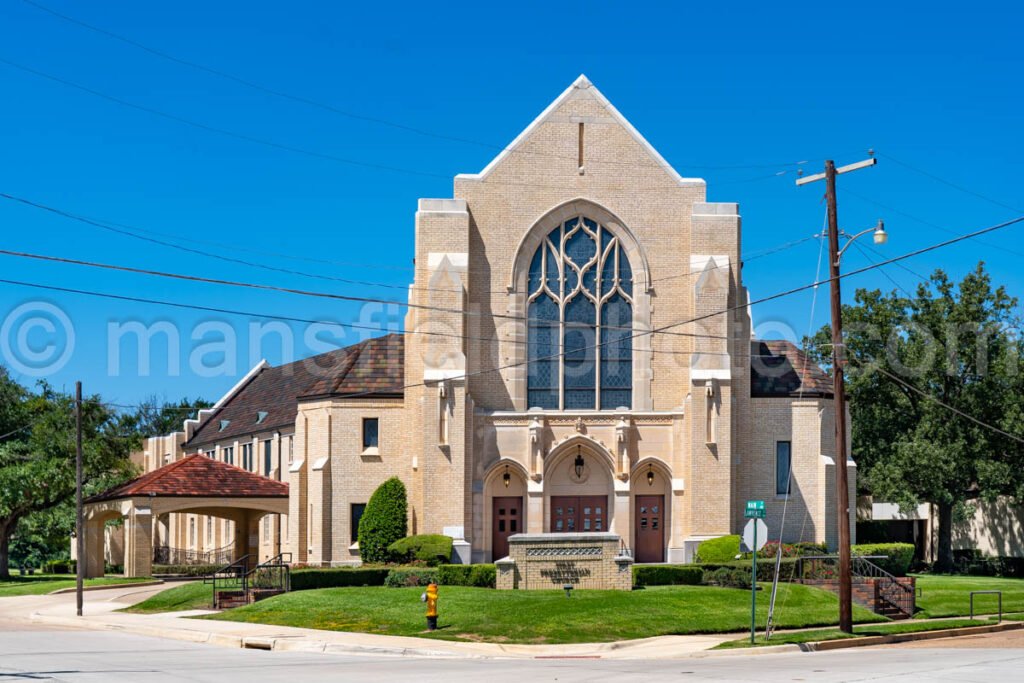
{"x": 268, "y": 465}
{"x": 211, "y": 454}
{"x": 229, "y": 454}
{"x": 247, "y": 457}
{"x": 357, "y": 514}
{"x": 291, "y": 448}
{"x": 369, "y": 432}
{"x": 783, "y": 463}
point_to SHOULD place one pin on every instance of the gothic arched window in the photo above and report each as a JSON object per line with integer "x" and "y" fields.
{"x": 580, "y": 294}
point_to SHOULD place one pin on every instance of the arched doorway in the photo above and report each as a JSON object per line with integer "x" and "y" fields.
{"x": 650, "y": 485}
{"x": 578, "y": 488}
{"x": 505, "y": 512}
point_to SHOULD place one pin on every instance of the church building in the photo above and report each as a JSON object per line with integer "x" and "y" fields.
{"x": 577, "y": 356}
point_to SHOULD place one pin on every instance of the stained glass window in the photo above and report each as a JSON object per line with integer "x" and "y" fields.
{"x": 580, "y": 350}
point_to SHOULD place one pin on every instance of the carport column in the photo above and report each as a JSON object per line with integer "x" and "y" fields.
{"x": 138, "y": 540}
{"x": 251, "y": 524}
{"x": 94, "y": 564}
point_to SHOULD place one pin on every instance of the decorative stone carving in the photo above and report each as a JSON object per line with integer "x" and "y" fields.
{"x": 537, "y": 453}
{"x": 622, "y": 428}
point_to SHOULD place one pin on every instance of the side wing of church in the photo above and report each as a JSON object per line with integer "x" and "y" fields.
{"x": 578, "y": 357}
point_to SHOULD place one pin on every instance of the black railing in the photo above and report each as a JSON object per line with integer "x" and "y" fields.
{"x": 891, "y": 592}
{"x": 167, "y": 555}
{"x": 274, "y": 575}
{"x": 233, "y": 577}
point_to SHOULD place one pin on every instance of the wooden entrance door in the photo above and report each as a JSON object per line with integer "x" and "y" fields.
{"x": 650, "y": 528}
{"x": 507, "y": 520}
{"x": 575, "y": 514}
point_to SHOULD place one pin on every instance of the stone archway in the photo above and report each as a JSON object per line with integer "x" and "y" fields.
{"x": 650, "y": 510}
{"x": 506, "y": 508}
{"x": 579, "y": 474}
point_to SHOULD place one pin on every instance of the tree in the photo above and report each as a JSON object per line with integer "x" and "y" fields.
{"x": 948, "y": 343}
{"x": 384, "y": 521}
{"x": 157, "y": 417}
{"x": 37, "y": 471}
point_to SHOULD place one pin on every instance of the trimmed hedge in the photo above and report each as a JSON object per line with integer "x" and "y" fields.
{"x": 898, "y": 555}
{"x": 765, "y": 569}
{"x": 668, "y": 575}
{"x": 60, "y": 567}
{"x": 186, "y": 569}
{"x": 721, "y": 549}
{"x": 475, "y": 575}
{"x": 416, "y": 576}
{"x": 433, "y": 549}
{"x": 383, "y": 521}
{"x": 339, "y": 577}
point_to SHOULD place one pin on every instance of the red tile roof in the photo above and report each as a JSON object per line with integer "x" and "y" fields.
{"x": 369, "y": 369}
{"x": 197, "y": 476}
{"x": 779, "y": 369}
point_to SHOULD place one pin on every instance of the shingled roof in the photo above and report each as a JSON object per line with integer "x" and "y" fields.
{"x": 779, "y": 369}
{"x": 369, "y": 369}
{"x": 197, "y": 476}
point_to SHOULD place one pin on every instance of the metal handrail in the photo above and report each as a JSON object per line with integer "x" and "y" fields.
{"x": 890, "y": 589}
{"x": 237, "y": 572}
{"x": 277, "y": 564}
{"x": 999, "y": 593}
{"x": 165, "y": 554}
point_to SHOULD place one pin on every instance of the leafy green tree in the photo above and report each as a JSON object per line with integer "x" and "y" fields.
{"x": 157, "y": 417}
{"x": 37, "y": 471}
{"x": 384, "y": 521}
{"x": 949, "y": 343}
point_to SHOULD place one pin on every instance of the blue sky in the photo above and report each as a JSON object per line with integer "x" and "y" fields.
{"x": 735, "y": 93}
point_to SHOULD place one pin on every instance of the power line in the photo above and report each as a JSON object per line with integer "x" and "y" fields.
{"x": 730, "y": 309}
{"x": 300, "y": 292}
{"x": 342, "y": 112}
{"x": 953, "y": 185}
{"x": 131, "y": 231}
{"x": 945, "y": 405}
{"x": 309, "y": 321}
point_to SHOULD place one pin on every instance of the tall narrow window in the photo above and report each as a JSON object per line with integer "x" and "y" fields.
{"x": 442, "y": 416}
{"x": 229, "y": 454}
{"x": 783, "y": 466}
{"x": 247, "y": 457}
{"x": 357, "y": 514}
{"x": 369, "y": 433}
{"x": 580, "y": 327}
{"x": 268, "y": 462}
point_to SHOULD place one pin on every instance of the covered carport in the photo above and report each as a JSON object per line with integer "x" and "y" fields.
{"x": 195, "y": 484}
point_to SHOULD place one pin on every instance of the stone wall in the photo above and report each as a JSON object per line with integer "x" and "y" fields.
{"x": 554, "y": 561}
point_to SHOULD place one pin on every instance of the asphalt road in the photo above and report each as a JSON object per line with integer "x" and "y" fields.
{"x": 68, "y": 655}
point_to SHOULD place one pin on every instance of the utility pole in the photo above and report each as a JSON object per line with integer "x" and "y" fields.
{"x": 79, "y": 517}
{"x": 838, "y": 389}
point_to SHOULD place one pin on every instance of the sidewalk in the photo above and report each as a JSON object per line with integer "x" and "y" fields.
{"x": 100, "y": 614}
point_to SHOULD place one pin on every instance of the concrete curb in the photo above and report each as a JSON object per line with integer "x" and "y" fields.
{"x": 827, "y": 645}
{"x": 105, "y": 587}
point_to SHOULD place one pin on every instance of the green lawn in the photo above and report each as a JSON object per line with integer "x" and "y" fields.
{"x": 949, "y": 596}
{"x": 482, "y": 614}
{"x": 38, "y": 584}
{"x": 819, "y": 635}
{"x": 188, "y": 596}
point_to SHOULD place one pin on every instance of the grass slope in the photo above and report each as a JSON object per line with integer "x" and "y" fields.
{"x": 818, "y": 635}
{"x": 189, "y": 596}
{"x": 949, "y": 596}
{"x": 482, "y": 614}
{"x": 38, "y": 584}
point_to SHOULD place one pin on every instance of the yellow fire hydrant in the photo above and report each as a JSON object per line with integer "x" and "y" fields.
{"x": 430, "y": 597}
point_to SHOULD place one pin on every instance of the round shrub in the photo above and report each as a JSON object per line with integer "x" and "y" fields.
{"x": 430, "y": 549}
{"x": 384, "y": 521}
{"x": 718, "y": 550}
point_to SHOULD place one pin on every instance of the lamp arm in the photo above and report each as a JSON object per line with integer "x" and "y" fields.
{"x": 851, "y": 240}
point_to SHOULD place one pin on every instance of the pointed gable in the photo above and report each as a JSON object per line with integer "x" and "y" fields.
{"x": 571, "y": 107}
